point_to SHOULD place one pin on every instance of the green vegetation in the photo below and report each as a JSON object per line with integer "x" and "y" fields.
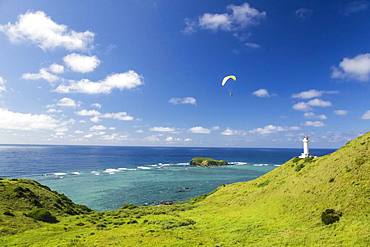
{"x": 325, "y": 203}
{"x": 205, "y": 161}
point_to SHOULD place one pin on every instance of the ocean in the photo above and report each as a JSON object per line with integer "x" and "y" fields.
{"x": 105, "y": 178}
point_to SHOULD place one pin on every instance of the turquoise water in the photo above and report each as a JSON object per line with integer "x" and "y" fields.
{"x": 107, "y": 177}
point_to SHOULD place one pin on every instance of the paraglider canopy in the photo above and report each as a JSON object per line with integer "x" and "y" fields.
{"x": 226, "y": 78}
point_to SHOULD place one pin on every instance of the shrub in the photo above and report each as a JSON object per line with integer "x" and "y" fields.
{"x": 128, "y": 206}
{"x": 330, "y": 216}
{"x": 42, "y": 214}
{"x": 299, "y": 167}
{"x": 8, "y": 213}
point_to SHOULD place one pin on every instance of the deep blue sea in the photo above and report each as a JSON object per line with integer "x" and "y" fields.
{"x": 107, "y": 177}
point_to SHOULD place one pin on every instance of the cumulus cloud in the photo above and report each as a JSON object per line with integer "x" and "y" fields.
{"x": 314, "y": 123}
{"x": 162, "y": 129}
{"x": 26, "y": 121}
{"x": 231, "y": 132}
{"x": 271, "y": 129}
{"x": 43, "y": 74}
{"x": 307, "y": 106}
{"x": 319, "y": 103}
{"x": 56, "y": 68}
{"x": 356, "y": 6}
{"x": 183, "y": 101}
{"x": 41, "y": 30}
{"x": 96, "y": 105}
{"x": 356, "y": 68}
{"x": 262, "y": 93}
{"x": 199, "y": 130}
{"x": 302, "y": 106}
{"x": 366, "y": 115}
{"x": 315, "y": 116}
{"x": 96, "y": 116}
{"x": 120, "y": 81}
{"x": 236, "y": 17}
{"x": 67, "y": 102}
{"x": 81, "y": 63}
{"x": 341, "y": 112}
{"x": 312, "y": 93}
{"x": 2, "y": 85}
{"x": 268, "y": 129}
{"x": 97, "y": 128}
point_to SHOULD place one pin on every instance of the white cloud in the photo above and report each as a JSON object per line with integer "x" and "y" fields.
{"x": 183, "y": 101}
{"x": 302, "y": 106}
{"x": 2, "y": 85}
{"x": 96, "y": 116}
{"x": 41, "y": 30}
{"x": 170, "y": 139}
{"x": 303, "y": 13}
{"x": 98, "y": 127}
{"x": 26, "y": 121}
{"x": 121, "y": 81}
{"x": 96, "y": 105}
{"x": 81, "y": 63}
{"x": 314, "y": 123}
{"x": 43, "y": 74}
{"x": 113, "y": 137}
{"x": 123, "y": 116}
{"x": 199, "y": 130}
{"x": 340, "y": 112}
{"x": 67, "y": 102}
{"x": 187, "y": 140}
{"x": 79, "y": 132}
{"x": 237, "y": 17}
{"x": 56, "y": 68}
{"x": 231, "y": 132}
{"x": 262, "y": 93}
{"x": 315, "y": 116}
{"x": 162, "y": 129}
{"x": 319, "y": 103}
{"x": 366, "y": 115}
{"x": 312, "y": 93}
{"x": 356, "y": 68}
{"x": 252, "y": 45}
{"x": 307, "y": 106}
{"x": 268, "y": 129}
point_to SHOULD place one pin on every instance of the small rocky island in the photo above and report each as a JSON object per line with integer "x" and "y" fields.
{"x": 207, "y": 162}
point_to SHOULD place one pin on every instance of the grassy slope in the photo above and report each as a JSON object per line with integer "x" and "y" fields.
{"x": 280, "y": 208}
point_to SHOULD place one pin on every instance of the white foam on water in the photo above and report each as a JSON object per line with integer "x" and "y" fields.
{"x": 58, "y": 174}
{"x": 144, "y": 168}
{"x": 238, "y": 163}
{"x": 260, "y": 164}
{"x": 96, "y": 173}
{"x": 75, "y": 173}
{"x": 277, "y": 165}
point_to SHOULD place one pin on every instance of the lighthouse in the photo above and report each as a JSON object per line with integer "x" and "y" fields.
{"x": 306, "y": 152}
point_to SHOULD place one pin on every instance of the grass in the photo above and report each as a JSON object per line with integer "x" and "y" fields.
{"x": 285, "y": 207}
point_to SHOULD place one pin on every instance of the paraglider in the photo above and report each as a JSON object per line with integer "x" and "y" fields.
{"x": 226, "y": 79}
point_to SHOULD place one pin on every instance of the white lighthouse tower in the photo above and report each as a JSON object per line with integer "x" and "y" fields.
{"x": 306, "y": 151}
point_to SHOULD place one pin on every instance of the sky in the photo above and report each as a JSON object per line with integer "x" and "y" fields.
{"x": 148, "y": 73}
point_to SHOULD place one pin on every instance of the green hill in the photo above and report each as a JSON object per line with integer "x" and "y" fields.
{"x": 282, "y": 208}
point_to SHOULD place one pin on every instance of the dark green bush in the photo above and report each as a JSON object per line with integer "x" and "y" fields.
{"x": 330, "y": 216}
{"x": 299, "y": 167}
{"x": 8, "y": 213}
{"x": 128, "y": 206}
{"x": 42, "y": 214}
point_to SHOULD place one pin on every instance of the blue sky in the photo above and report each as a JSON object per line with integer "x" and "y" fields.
{"x": 150, "y": 72}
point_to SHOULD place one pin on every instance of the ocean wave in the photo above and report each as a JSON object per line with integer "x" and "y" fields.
{"x": 238, "y": 163}
{"x": 260, "y": 164}
{"x": 75, "y": 173}
{"x": 59, "y": 174}
{"x": 144, "y": 168}
{"x": 96, "y": 173}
